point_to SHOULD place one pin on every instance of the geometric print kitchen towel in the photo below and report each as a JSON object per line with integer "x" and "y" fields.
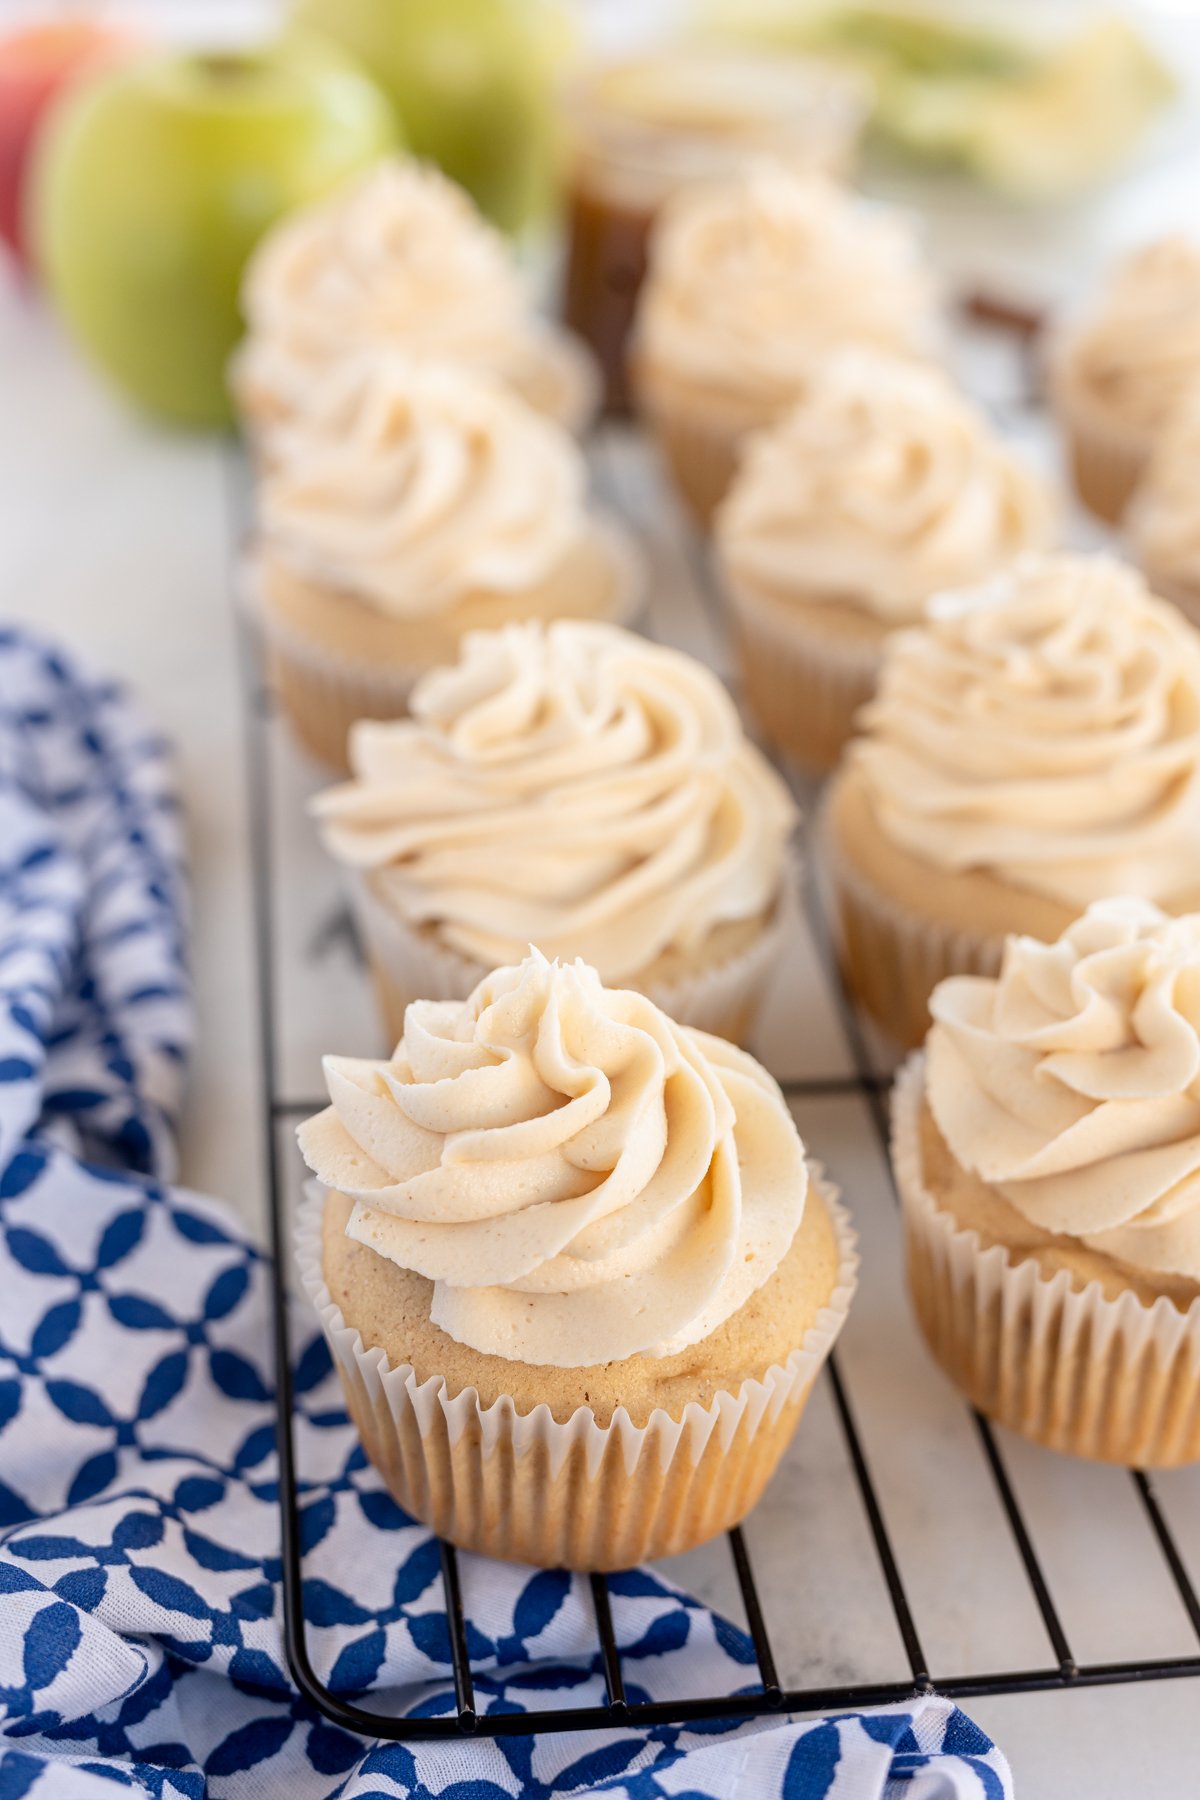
{"x": 140, "y": 1645}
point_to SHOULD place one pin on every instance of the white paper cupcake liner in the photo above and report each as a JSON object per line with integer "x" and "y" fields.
{"x": 1107, "y": 459}
{"x": 412, "y": 963}
{"x": 322, "y": 691}
{"x": 803, "y": 688}
{"x": 322, "y": 694}
{"x": 699, "y": 444}
{"x": 891, "y": 960}
{"x": 1180, "y": 593}
{"x": 1113, "y": 1380}
{"x": 575, "y": 1494}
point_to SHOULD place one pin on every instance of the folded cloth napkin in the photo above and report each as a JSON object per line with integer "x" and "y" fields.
{"x": 140, "y": 1646}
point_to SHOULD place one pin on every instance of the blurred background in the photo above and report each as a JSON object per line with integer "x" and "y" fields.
{"x": 1036, "y": 139}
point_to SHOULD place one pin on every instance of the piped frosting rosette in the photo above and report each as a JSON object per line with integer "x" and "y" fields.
{"x": 752, "y": 283}
{"x": 881, "y": 487}
{"x": 1033, "y": 746}
{"x": 1070, "y": 1086}
{"x": 414, "y": 487}
{"x": 405, "y": 505}
{"x": 572, "y": 786}
{"x": 397, "y": 260}
{"x": 1071, "y": 1083}
{"x": 753, "y": 280}
{"x": 581, "y": 1179}
{"x": 576, "y": 787}
{"x": 1140, "y": 349}
{"x": 1045, "y": 728}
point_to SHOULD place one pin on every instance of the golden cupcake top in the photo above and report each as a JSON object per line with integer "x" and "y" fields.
{"x": 397, "y": 259}
{"x": 1045, "y": 728}
{"x": 567, "y": 785}
{"x": 1164, "y": 518}
{"x": 1139, "y": 347}
{"x": 753, "y": 280}
{"x": 414, "y": 486}
{"x": 1071, "y": 1082}
{"x": 581, "y": 1179}
{"x": 881, "y": 486}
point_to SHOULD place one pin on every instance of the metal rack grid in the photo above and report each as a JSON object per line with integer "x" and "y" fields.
{"x": 1061, "y": 1670}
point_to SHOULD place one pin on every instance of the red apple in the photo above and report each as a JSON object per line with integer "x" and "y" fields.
{"x": 36, "y": 64}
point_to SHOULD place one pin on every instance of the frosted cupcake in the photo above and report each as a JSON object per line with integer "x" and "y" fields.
{"x": 1047, "y": 1151}
{"x": 575, "y": 1272}
{"x": 1164, "y": 516}
{"x": 751, "y": 284}
{"x": 574, "y": 787}
{"x": 880, "y": 487}
{"x": 1033, "y": 747}
{"x": 399, "y": 259}
{"x": 403, "y": 507}
{"x": 1117, "y": 374}
{"x": 686, "y": 112}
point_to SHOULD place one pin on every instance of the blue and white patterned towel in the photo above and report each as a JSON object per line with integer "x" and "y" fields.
{"x": 139, "y": 1601}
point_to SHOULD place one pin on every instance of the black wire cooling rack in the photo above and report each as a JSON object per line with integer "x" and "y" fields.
{"x": 1060, "y": 1671}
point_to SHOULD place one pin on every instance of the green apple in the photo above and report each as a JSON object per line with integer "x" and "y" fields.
{"x": 152, "y": 184}
{"x": 474, "y": 84}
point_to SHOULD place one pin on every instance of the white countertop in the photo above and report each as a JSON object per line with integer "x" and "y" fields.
{"x": 118, "y": 538}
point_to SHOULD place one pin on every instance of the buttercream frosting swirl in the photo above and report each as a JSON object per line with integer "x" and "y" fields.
{"x": 881, "y": 485}
{"x": 396, "y": 259}
{"x": 1071, "y": 1084}
{"x": 415, "y": 487}
{"x": 1141, "y": 346}
{"x": 1164, "y": 518}
{"x": 753, "y": 281}
{"x": 567, "y": 785}
{"x": 1046, "y": 728}
{"x": 581, "y": 1179}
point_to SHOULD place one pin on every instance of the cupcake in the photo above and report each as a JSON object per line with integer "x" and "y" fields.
{"x": 1116, "y": 375}
{"x": 404, "y": 506}
{"x": 1033, "y": 747}
{"x": 574, "y": 1270}
{"x": 643, "y": 128}
{"x": 397, "y": 260}
{"x": 575, "y": 787}
{"x": 879, "y": 488}
{"x": 1164, "y": 515}
{"x": 1047, "y": 1149}
{"x": 752, "y": 283}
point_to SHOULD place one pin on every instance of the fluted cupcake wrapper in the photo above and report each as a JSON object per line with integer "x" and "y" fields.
{"x": 410, "y": 962}
{"x": 572, "y": 1494}
{"x": 1113, "y": 1380}
{"x": 699, "y": 443}
{"x": 1170, "y": 587}
{"x": 802, "y": 688}
{"x": 1107, "y": 459}
{"x": 891, "y": 959}
{"x": 323, "y": 693}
